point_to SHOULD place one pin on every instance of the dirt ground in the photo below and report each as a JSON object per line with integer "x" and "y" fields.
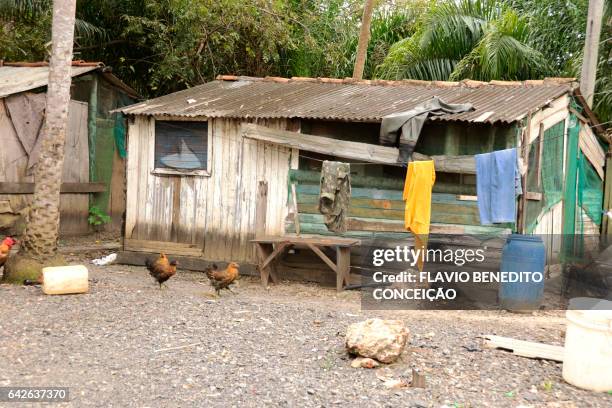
{"x": 126, "y": 343}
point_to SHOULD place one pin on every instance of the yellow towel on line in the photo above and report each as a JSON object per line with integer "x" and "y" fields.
{"x": 420, "y": 179}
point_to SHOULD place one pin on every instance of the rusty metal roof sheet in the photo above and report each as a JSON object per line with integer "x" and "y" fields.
{"x": 363, "y": 101}
{"x": 24, "y": 76}
{"x": 19, "y": 79}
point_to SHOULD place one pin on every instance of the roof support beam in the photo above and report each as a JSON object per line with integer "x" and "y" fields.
{"x": 353, "y": 150}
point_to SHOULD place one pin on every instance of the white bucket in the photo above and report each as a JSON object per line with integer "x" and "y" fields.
{"x": 63, "y": 280}
{"x": 587, "y": 361}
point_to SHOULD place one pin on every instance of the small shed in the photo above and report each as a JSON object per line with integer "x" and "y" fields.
{"x": 212, "y": 166}
{"x": 94, "y": 170}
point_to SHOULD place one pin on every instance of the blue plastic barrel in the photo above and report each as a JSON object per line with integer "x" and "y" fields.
{"x": 526, "y": 255}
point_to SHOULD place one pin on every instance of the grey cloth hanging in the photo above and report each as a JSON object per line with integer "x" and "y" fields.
{"x": 335, "y": 195}
{"x": 411, "y": 123}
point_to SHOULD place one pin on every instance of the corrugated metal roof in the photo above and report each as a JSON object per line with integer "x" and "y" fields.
{"x": 19, "y": 79}
{"x": 364, "y": 101}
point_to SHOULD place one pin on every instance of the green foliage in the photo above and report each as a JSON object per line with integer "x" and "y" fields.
{"x": 25, "y": 30}
{"x": 326, "y": 42}
{"x": 503, "y": 53}
{"x": 161, "y": 46}
{"x": 97, "y": 217}
{"x": 478, "y": 39}
{"x": 557, "y": 28}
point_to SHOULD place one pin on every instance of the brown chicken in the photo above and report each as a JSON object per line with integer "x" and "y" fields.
{"x": 5, "y": 249}
{"x": 222, "y": 279}
{"x": 161, "y": 269}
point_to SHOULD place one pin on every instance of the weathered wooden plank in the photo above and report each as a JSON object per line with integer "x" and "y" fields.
{"x": 353, "y": 150}
{"x": 323, "y": 257}
{"x": 117, "y": 196}
{"x": 445, "y": 213}
{"x": 307, "y": 177}
{"x": 175, "y": 225}
{"x": 280, "y": 247}
{"x": 378, "y": 225}
{"x": 592, "y": 149}
{"x": 174, "y": 248}
{"x": 356, "y": 192}
{"x": 385, "y": 204}
{"x": 319, "y": 144}
{"x": 131, "y": 194}
{"x": 249, "y": 199}
{"x": 556, "y": 110}
{"x": 230, "y": 185}
{"x": 74, "y": 207}
{"x": 306, "y": 239}
{"x": 187, "y": 203}
{"x": 146, "y": 130}
{"x": 295, "y": 208}
{"x": 534, "y": 196}
{"x": 523, "y": 348}
{"x": 66, "y": 188}
{"x": 186, "y": 262}
{"x": 200, "y": 187}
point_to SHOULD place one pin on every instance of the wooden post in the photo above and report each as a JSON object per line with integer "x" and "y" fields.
{"x": 295, "y": 210}
{"x": 522, "y": 208}
{"x": 591, "y": 48}
{"x": 261, "y": 207}
{"x": 264, "y": 250}
{"x": 343, "y": 267}
{"x": 605, "y": 228}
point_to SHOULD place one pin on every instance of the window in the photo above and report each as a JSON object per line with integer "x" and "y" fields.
{"x": 181, "y": 147}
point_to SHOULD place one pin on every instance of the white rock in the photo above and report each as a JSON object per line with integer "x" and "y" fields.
{"x": 383, "y": 340}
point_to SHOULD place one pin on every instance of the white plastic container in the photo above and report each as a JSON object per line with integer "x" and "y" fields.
{"x": 63, "y": 280}
{"x": 587, "y": 361}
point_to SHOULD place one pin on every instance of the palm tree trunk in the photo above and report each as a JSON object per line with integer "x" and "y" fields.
{"x": 39, "y": 246}
{"x": 364, "y": 39}
{"x": 591, "y": 48}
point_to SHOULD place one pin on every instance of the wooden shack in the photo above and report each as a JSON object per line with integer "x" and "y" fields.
{"x": 94, "y": 170}
{"x": 248, "y": 142}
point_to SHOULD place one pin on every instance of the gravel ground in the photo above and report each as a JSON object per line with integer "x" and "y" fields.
{"x": 126, "y": 343}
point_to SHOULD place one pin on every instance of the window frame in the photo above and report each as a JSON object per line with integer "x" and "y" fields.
{"x": 162, "y": 171}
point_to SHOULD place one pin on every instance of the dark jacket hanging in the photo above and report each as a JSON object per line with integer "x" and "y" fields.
{"x": 335, "y": 195}
{"x": 411, "y": 123}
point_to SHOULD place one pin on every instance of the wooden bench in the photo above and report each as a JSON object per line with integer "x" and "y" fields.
{"x": 269, "y": 248}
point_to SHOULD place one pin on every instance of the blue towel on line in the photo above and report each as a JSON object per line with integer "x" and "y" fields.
{"x": 498, "y": 183}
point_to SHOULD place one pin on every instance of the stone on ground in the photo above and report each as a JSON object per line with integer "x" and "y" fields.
{"x": 383, "y": 340}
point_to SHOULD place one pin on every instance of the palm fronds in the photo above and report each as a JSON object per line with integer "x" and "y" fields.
{"x": 479, "y": 39}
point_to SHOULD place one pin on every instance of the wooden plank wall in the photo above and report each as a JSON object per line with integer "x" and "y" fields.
{"x": 550, "y": 227}
{"x": 13, "y": 168}
{"x": 215, "y": 213}
{"x": 74, "y": 208}
{"x": 13, "y": 164}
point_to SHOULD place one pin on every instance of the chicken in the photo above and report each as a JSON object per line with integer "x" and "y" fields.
{"x": 161, "y": 269}
{"x": 222, "y": 279}
{"x": 5, "y": 249}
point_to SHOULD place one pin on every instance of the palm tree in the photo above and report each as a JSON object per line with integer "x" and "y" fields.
{"x": 39, "y": 247}
{"x": 25, "y": 27}
{"x": 364, "y": 38}
{"x": 477, "y": 39}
